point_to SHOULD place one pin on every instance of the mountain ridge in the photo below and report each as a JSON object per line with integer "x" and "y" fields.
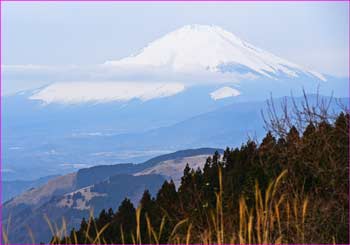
{"x": 218, "y": 47}
{"x": 168, "y": 65}
{"x": 75, "y": 199}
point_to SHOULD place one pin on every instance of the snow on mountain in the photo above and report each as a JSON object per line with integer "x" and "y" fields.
{"x": 203, "y": 47}
{"x": 224, "y": 92}
{"x": 202, "y": 51}
{"x": 77, "y": 92}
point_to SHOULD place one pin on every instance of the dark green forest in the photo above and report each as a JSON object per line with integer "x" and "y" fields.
{"x": 292, "y": 187}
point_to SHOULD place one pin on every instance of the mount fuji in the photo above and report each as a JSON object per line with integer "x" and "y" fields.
{"x": 187, "y": 73}
{"x": 190, "y": 56}
{"x": 211, "y": 48}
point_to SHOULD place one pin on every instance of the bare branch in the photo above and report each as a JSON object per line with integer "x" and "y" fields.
{"x": 302, "y": 113}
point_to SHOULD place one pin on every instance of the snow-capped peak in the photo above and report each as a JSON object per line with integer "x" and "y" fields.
{"x": 204, "y": 47}
{"x": 195, "y": 52}
{"x": 224, "y": 92}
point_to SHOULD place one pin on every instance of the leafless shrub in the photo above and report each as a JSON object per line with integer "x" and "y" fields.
{"x": 291, "y": 112}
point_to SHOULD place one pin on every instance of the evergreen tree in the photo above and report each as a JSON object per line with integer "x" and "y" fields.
{"x": 149, "y": 212}
{"x": 124, "y": 222}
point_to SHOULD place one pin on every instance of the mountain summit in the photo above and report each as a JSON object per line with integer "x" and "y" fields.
{"x": 198, "y": 47}
{"x": 190, "y": 56}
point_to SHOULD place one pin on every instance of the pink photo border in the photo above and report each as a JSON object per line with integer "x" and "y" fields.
{"x": 184, "y": 1}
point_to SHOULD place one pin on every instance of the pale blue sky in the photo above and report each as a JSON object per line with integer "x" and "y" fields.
{"x": 314, "y": 35}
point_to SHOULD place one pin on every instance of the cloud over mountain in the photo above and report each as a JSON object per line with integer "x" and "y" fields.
{"x": 189, "y": 56}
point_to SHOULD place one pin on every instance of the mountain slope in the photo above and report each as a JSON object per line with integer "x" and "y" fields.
{"x": 73, "y": 206}
{"x": 173, "y": 169}
{"x": 229, "y": 125}
{"x": 73, "y": 195}
{"x": 16, "y": 187}
{"x": 212, "y": 48}
{"x": 189, "y": 56}
{"x": 182, "y": 154}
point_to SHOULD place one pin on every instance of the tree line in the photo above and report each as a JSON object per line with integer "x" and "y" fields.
{"x": 235, "y": 197}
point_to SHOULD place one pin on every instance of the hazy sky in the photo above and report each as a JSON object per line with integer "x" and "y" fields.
{"x": 315, "y": 35}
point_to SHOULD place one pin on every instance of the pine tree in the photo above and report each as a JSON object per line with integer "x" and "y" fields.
{"x": 124, "y": 222}
{"x": 292, "y": 136}
{"x": 149, "y": 212}
{"x": 168, "y": 200}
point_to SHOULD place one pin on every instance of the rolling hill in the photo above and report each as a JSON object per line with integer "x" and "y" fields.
{"x": 74, "y": 195}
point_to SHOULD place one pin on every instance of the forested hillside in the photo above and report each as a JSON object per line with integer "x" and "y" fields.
{"x": 290, "y": 188}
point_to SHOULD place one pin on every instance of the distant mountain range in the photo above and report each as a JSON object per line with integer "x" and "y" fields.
{"x": 56, "y": 140}
{"x": 74, "y": 195}
{"x": 16, "y": 187}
